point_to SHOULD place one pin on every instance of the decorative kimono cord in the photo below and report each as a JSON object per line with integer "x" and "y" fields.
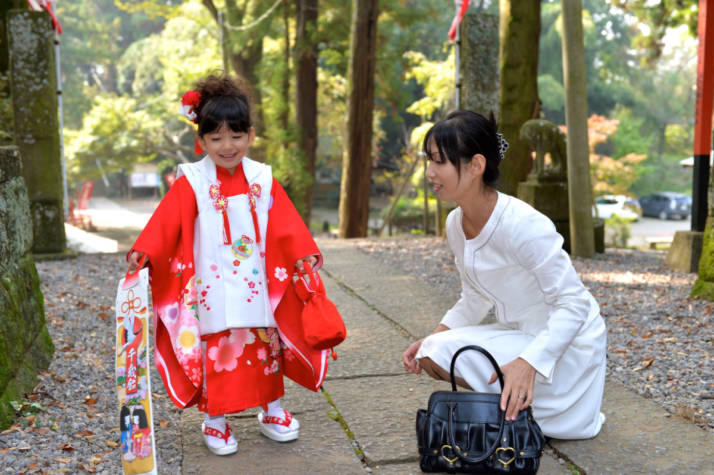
{"x": 220, "y": 203}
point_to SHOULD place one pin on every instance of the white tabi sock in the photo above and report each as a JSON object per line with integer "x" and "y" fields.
{"x": 274, "y": 410}
{"x": 218, "y": 423}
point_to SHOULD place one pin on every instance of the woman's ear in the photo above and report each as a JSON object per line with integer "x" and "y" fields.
{"x": 477, "y": 166}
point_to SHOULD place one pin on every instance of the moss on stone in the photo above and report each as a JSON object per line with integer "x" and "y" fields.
{"x": 479, "y": 88}
{"x": 703, "y": 290}
{"x": 26, "y": 347}
{"x": 12, "y": 392}
{"x": 15, "y": 228}
{"x": 704, "y": 286}
{"x": 34, "y": 92}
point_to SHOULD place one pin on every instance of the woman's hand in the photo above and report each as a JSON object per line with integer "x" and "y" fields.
{"x": 134, "y": 259}
{"x": 409, "y": 358}
{"x": 311, "y": 260}
{"x": 518, "y": 380}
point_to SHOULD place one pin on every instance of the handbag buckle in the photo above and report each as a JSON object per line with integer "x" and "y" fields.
{"x": 506, "y": 463}
{"x": 450, "y": 461}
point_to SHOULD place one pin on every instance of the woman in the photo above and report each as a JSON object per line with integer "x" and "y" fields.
{"x": 549, "y": 337}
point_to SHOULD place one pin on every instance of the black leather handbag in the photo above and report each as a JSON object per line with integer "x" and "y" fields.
{"x": 467, "y": 432}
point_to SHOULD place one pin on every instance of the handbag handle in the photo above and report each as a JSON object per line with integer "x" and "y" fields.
{"x": 482, "y": 351}
{"x": 452, "y": 408}
{"x": 308, "y": 271}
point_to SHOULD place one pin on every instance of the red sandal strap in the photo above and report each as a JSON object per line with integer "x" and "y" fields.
{"x": 218, "y": 434}
{"x": 283, "y": 421}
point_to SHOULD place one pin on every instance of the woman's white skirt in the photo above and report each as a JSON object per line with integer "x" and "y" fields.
{"x": 566, "y": 408}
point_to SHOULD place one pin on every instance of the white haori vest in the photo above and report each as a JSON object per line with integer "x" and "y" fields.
{"x": 231, "y": 282}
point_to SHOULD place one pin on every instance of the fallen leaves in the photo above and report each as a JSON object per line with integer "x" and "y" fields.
{"x": 86, "y": 433}
{"x": 66, "y": 447}
{"x": 644, "y": 363}
{"x": 89, "y": 401}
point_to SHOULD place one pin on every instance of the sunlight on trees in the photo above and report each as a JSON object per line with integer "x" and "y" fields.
{"x": 127, "y": 62}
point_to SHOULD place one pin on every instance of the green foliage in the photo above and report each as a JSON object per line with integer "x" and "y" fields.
{"x": 437, "y": 79}
{"x": 95, "y": 34}
{"x": 618, "y": 231}
{"x": 658, "y": 18}
{"x": 551, "y": 93}
{"x": 127, "y": 62}
{"x": 116, "y": 132}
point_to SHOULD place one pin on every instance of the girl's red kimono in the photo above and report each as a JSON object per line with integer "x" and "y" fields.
{"x": 222, "y": 251}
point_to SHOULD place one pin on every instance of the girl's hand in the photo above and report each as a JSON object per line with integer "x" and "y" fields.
{"x": 518, "y": 380}
{"x": 409, "y": 358}
{"x": 134, "y": 259}
{"x": 311, "y": 260}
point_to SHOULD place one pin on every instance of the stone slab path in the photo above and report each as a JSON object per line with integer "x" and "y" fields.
{"x": 362, "y": 421}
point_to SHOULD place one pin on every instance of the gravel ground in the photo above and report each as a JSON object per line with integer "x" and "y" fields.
{"x": 76, "y": 429}
{"x": 659, "y": 340}
{"x": 660, "y": 345}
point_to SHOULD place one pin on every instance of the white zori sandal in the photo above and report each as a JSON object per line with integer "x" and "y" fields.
{"x": 279, "y": 429}
{"x": 220, "y": 443}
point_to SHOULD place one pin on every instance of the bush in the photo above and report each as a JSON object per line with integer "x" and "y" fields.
{"x": 618, "y": 230}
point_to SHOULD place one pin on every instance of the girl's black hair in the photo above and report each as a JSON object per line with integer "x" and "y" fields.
{"x": 222, "y": 102}
{"x": 463, "y": 134}
{"x": 122, "y": 418}
{"x": 141, "y": 413}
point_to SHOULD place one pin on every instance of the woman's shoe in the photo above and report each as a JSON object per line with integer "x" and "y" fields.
{"x": 220, "y": 443}
{"x": 279, "y": 429}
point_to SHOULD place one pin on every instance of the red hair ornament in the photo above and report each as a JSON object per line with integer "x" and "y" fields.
{"x": 189, "y": 105}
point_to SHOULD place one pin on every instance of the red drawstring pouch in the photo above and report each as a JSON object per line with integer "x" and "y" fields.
{"x": 322, "y": 324}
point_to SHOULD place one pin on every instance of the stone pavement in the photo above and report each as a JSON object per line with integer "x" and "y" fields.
{"x": 363, "y": 419}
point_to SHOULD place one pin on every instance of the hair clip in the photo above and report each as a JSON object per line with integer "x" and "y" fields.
{"x": 189, "y": 105}
{"x": 502, "y": 145}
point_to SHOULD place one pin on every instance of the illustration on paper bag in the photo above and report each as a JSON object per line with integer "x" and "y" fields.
{"x": 133, "y": 385}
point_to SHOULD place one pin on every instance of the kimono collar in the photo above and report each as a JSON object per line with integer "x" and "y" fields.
{"x": 251, "y": 169}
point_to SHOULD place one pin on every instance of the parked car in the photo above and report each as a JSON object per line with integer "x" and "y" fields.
{"x": 666, "y": 205}
{"x": 622, "y": 206}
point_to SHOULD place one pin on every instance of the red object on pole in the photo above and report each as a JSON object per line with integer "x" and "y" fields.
{"x": 39, "y": 5}
{"x": 705, "y": 80}
{"x": 703, "y": 115}
{"x": 457, "y": 19}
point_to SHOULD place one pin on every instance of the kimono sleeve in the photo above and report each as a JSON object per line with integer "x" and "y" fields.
{"x": 162, "y": 232}
{"x": 287, "y": 230}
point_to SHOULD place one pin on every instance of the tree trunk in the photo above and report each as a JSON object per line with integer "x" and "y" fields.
{"x": 306, "y": 91}
{"x": 285, "y": 80}
{"x": 519, "y": 31}
{"x": 582, "y": 240}
{"x": 356, "y": 160}
{"x": 245, "y": 50}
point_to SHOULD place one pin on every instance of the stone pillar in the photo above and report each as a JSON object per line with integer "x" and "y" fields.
{"x": 33, "y": 87}
{"x": 25, "y": 344}
{"x": 478, "y": 63}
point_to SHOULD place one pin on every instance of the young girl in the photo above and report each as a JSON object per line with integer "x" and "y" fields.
{"x": 549, "y": 337}
{"x": 222, "y": 247}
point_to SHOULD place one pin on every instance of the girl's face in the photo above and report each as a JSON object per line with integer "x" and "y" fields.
{"x": 444, "y": 177}
{"x": 226, "y": 147}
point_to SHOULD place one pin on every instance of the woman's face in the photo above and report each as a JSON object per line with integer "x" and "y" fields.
{"x": 444, "y": 177}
